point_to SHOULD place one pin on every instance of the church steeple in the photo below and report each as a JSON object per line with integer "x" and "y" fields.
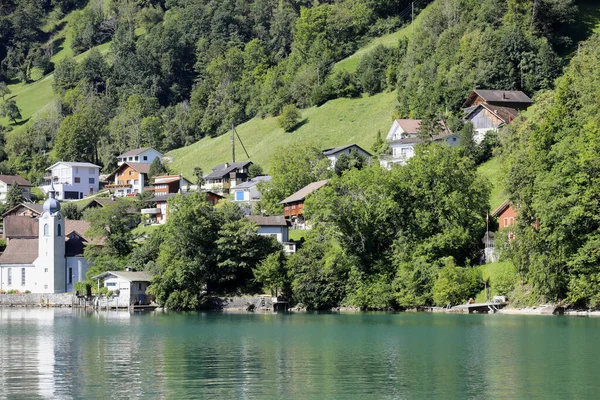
{"x": 51, "y": 205}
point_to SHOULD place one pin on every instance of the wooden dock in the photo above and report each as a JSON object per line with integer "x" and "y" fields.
{"x": 477, "y": 308}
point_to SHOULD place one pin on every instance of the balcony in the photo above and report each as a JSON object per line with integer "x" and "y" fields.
{"x": 118, "y": 186}
{"x": 48, "y": 179}
{"x": 150, "y": 211}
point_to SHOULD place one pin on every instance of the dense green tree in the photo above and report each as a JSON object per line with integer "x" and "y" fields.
{"x": 14, "y": 196}
{"x": 255, "y": 170}
{"x": 112, "y": 225}
{"x": 289, "y": 118}
{"x": 10, "y": 110}
{"x": 347, "y": 162}
{"x": 157, "y": 168}
{"x": 272, "y": 274}
{"x": 4, "y": 90}
{"x": 71, "y": 211}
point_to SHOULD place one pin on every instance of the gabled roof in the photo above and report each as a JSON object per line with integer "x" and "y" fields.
{"x": 305, "y": 191}
{"x": 18, "y": 227}
{"x": 142, "y": 168}
{"x": 505, "y": 114}
{"x": 498, "y": 96}
{"x": 73, "y": 164}
{"x": 498, "y": 211}
{"x": 335, "y": 150}
{"x": 409, "y": 125}
{"x": 274, "y": 220}
{"x": 137, "y": 152}
{"x": 20, "y": 252}
{"x": 167, "y": 178}
{"x": 222, "y": 170}
{"x": 10, "y": 179}
{"x": 36, "y": 208}
{"x": 253, "y": 182}
{"x": 131, "y": 276}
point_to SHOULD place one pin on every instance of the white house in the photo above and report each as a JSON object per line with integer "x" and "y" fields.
{"x": 53, "y": 261}
{"x": 276, "y": 226}
{"x": 335, "y": 152}
{"x": 72, "y": 180}
{"x": 404, "y": 136}
{"x": 248, "y": 191}
{"x": 131, "y": 285}
{"x": 144, "y": 155}
{"x": 6, "y": 183}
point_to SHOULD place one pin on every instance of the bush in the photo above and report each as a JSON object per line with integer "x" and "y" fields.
{"x": 83, "y": 288}
{"x": 455, "y": 285}
{"x": 289, "y": 118}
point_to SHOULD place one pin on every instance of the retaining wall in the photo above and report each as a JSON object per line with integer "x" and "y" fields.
{"x": 241, "y": 303}
{"x": 37, "y": 299}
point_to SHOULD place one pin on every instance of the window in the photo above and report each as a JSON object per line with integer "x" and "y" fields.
{"x": 22, "y": 276}
{"x": 130, "y": 158}
{"x": 145, "y": 158}
{"x": 110, "y": 284}
{"x": 130, "y": 173}
{"x": 505, "y": 222}
{"x": 92, "y": 181}
{"x": 77, "y": 179}
{"x": 239, "y": 196}
{"x": 136, "y": 182}
{"x": 137, "y": 158}
{"x": 70, "y": 277}
{"x": 454, "y": 139}
{"x": 46, "y": 230}
{"x": 59, "y": 230}
{"x": 139, "y": 285}
{"x": 45, "y": 269}
{"x": 9, "y": 277}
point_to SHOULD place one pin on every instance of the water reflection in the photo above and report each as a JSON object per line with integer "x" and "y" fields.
{"x": 60, "y": 353}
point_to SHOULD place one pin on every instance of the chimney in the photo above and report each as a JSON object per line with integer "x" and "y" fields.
{"x": 226, "y": 164}
{"x": 504, "y": 96}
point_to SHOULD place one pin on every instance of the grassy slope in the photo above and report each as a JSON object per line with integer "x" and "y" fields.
{"x": 492, "y": 271}
{"x": 492, "y": 171}
{"x": 337, "y": 122}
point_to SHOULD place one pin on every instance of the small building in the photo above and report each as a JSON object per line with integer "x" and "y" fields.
{"x": 129, "y": 178}
{"x": 293, "y": 206}
{"x": 225, "y": 177}
{"x": 143, "y": 155}
{"x": 166, "y": 184}
{"x": 160, "y": 213}
{"x": 276, "y": 226}
{"x": 25, "y": 210}
{"x": 404, "y": 136}
{"x": 489, "y": 110}
{"x": 335, "y": 152}
{"x": 72, "y": 180}
{"x": 247, "y": 192}
{"x": 6, "y": 183}
{"x": 507, "y": 217}
{"x": 130, "y": 285}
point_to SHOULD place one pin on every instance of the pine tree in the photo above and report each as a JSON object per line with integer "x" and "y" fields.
{"x": 14, "y": 197}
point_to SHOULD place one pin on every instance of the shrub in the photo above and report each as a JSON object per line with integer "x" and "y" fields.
{"x": 83, "y": 288}
{"x": 289, "y": 118}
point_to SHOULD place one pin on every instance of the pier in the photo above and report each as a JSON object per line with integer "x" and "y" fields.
{"x": 478, "y": 308}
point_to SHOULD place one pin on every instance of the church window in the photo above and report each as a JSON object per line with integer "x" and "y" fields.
{"x": 70, "y": 276}
{"x": 59, "y": 230}
{"x": 46, "y": 230}
{"x": 9, "y": 276}
{"x": 22, "y": 276}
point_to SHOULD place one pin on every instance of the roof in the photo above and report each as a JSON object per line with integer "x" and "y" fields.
{"x": 10, "y": 179}
{"x": 20, "y": 251}
{"x": 334, "y": 150}
{"x": 17, "y": 226}
{"x": 167, "y": 179}
{"x": 136, "y": 152}
{"x": 305, "y": 191}
{"x": 74, "y": 164}
{"x": 498, "y": 96}
{"x": 506, "y": 114}
{"x": 168, "y": 196}
{"x": 37, "y": 208}
{"x": 79, "y": 226}
{"x": 275, "y": 220}
{"x": 436, "y": 138}
{"x": 253, "y": 182}
{"x": 131, "y": 276}
{"x": 498, "y": 211}
{"x": 224, "y": 169}
{"x": 142, "y": 168}
{"x": 409, "y": 125}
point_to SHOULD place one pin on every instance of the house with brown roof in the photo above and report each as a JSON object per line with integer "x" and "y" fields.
{"x": 293, "y": 206}
{"x": 7, "y": 182}
{"x": 225, "y": 177}
{"x": 160, "y": 212}
{"x": 128, "y": 179}
{"x": 490, "y": 110}
{"x": 404, "y": 135}
{"x": 144, "y": 155}
{"x": 25, "y": 210}
{"x": 45, "y": 254}
{"x": 506, "y": 215}
{"x": 166, "y": 184}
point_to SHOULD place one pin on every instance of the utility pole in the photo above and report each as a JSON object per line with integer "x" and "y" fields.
{"x": 412, "y": 22}
{"x": 232, "y": 143}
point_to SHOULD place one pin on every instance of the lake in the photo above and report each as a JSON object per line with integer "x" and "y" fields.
{"x": 64, "y": 354}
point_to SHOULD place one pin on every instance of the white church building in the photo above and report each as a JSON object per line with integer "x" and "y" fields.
{"x": 51, "y": 263}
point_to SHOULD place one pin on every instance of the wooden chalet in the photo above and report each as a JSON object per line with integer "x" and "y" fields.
{"x": 293, "y": 206}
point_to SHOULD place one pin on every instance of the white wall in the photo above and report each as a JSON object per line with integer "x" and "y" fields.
{"x": 16, "y": 271}
{"x": 78, "y": 267}
{"x": 280, "y": 232}
{"x": 129, "y": 292}
{"x": 67, "y": 180}
{"x": 145, "y": 158}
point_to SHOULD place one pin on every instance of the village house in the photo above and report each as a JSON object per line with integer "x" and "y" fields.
{"x": 25, "y": 210}
{"x": 334, "y": 153}
{"x": 166, "y": 184}
{"x": 226, "y": 177}
{"x": 144, "y": 155}
{"x": 129, "y": 179}
{"x": 293, "y": 206}
{"x": 506, "y": 215}
{"x": 160, "y": 213}
{"x": 247, "y": 193}
{"x": 129, "y": 286}
{"x": 7, "y": 182}
{"x": 404, "y": 136}
{"x": 72, "y": 180}
{"x": 489, "y": 110}
{"x": 45, "y": 254}
{"x": 276, "y": 226}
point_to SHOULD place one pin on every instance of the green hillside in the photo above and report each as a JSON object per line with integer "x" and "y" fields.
{"x": 335, "y": 123}
{"x": 493, "y": 172}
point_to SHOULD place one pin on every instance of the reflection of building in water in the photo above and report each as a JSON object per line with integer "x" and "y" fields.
{"x": 45, "y": 353}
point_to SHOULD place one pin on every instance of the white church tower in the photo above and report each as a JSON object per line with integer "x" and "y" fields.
{"x": 51, "y": 262}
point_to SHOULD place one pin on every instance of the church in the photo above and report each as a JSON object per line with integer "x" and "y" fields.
{"x": 51, "y": 261}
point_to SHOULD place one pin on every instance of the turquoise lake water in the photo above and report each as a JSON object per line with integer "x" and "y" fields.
{"x": 64, "y": 354}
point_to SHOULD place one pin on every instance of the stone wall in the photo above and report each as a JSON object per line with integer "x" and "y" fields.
{"x": 242, "y": 303}
{"x": 37, "y": 299}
